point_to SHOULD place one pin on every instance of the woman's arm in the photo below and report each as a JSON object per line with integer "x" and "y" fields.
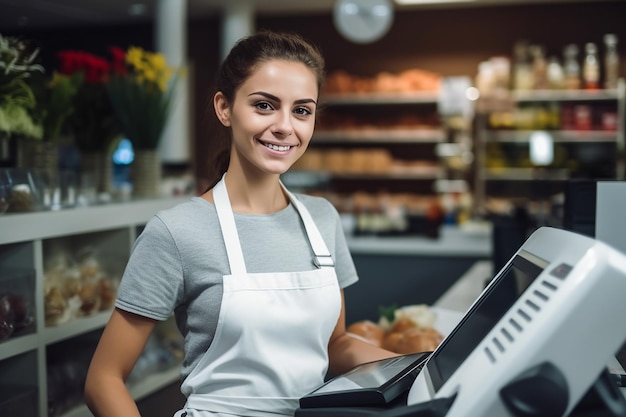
{"x": 345, "y": 352}
{"x": 120, "y": 346}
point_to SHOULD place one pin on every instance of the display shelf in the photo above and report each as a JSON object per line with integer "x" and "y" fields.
{"x": 148, "y": 385}
{"x": 18, "y": 345}
{"x": 25, "y": 243}
{"x": 75, "y": 327}
{"x": 400, "y": 135}
{"x": 558, "y": 136}
{"x": 584, "y": 146}
{"x": 46, "y": 224}
{"x": 525, "y": 174}
{"x": 80, "y": 411}
{"x": 377, "y": 143}
{"x": 430, "y": 173}
{"x": 365, "y": 99}
{"x": 154, "y": 382}
{"x": 565, "y": 95}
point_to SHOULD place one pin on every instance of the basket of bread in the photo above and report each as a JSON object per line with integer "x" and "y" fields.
{"x": 409, "y": 329}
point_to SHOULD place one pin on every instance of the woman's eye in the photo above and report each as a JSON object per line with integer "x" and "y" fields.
{"x": 263, "y": 105}
{"x": 303, "y": 111}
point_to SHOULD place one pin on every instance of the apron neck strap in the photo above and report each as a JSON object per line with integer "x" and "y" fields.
{"x": 229, "y": 228}
{"x": 231, "y": 237}
{"x": 322, "y": 254}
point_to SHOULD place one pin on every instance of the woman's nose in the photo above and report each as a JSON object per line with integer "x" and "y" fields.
{"x": 282, "y": 126}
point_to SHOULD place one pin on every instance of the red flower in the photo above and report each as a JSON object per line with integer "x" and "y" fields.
{"x": 119, "y": 60}
{"x": 95, "y": 68}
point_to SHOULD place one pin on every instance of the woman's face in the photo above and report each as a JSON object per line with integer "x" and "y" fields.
{"x": 272, "y": 116}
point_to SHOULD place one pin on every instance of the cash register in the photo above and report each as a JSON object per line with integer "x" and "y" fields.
{"x": 535, "y": 343}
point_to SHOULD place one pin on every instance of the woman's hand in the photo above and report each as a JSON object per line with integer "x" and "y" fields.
{"x": 345, "y": 351}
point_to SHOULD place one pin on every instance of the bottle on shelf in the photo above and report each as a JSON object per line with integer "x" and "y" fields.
{"x": 555, "y": 74}
{"x": 571, "y": 67}
{"x": 591, "y": 67}
{"x": 540, "y": 68}
{"x": 522, "y": 68}
{"x": 611, "y": 61}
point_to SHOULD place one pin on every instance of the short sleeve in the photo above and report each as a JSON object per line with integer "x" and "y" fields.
{"x": 152, "y": 283}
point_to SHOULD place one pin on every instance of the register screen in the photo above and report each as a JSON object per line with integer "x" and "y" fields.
{"x": 487, "y": 311}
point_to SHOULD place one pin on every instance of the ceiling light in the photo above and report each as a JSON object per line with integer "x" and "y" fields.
{"x": 137, "y": 9}
{"x": 415, "y": 2}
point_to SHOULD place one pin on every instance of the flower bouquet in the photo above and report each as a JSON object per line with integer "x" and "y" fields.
{"x": 141, "y": 92}
{"x": 93, "y": 123}
{"x": 55, "y": 103}
{"x": 17, "y": 99}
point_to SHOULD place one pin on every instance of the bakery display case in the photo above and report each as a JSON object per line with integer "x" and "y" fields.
{"x": 59, "y": 272}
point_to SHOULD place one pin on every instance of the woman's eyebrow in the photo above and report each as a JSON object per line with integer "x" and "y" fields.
{"x": 274, "y": 98}
{"x": 305, "y": 100}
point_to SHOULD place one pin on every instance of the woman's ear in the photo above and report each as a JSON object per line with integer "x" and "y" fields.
{"x": 222, "y": 108}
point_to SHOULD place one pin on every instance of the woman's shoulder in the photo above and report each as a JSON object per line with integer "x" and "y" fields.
{"x": 193, "y": 205}
{"x": 191, "y": 212}
{"x": 316, "y": 204}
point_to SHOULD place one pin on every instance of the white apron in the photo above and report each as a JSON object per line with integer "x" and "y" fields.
{"x": 271, "y": 342}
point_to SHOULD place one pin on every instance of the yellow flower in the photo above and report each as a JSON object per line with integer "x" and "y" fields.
{"x": 134, "y": 56}
{"x": 158, "y": 62}
{"x": 150, "y": 74}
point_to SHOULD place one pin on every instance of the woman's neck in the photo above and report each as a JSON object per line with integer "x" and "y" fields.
{"x": 254, "y": 194}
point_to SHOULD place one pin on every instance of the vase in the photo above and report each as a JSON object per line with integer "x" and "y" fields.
{"x": 42, "y": 157}
{"x": 97, "y": 171}
{"x": 146, "y": 172}
{"x": 8, "y": 150}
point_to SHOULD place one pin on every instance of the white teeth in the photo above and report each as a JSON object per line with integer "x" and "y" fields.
{"x": 277, "y": 148}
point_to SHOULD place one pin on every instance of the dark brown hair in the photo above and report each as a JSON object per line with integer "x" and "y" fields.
{"x": 247, "y": 54}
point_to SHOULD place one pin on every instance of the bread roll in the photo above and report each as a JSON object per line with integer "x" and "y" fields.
{"x": 368, "y": 330}
{"x": 413, "y": 340}
{"x": 391, "y": 341}
{"x": 402, "y": 324}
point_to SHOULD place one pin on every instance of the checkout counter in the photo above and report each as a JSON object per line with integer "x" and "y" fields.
{"x": 411, "y": 269}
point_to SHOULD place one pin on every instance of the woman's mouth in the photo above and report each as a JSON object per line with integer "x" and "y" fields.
{"x": 278, "y": 148}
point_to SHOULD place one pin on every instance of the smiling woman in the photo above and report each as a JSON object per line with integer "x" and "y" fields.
{"x": 271, "y": 117}
{"x": 254, "y": 273}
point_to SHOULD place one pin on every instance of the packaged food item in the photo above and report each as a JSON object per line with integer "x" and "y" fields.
{"x": 17, "y": 315}
{"x": 583, "y": 117}
{"x": 522, "y": 69}
{"x": 555, "y": 74}
{"x": 540, "y": 67}
{"x": 75, "y": 284}
{"x": 591, "y": 67}
{"x": 611, "y": 61}
{"x": 571, "y": 67}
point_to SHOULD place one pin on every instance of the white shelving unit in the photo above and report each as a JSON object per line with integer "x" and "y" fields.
{"x": 24, "y": 239}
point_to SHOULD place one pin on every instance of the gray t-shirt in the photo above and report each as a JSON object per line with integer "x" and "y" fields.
{"x": 179, "y": 259}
